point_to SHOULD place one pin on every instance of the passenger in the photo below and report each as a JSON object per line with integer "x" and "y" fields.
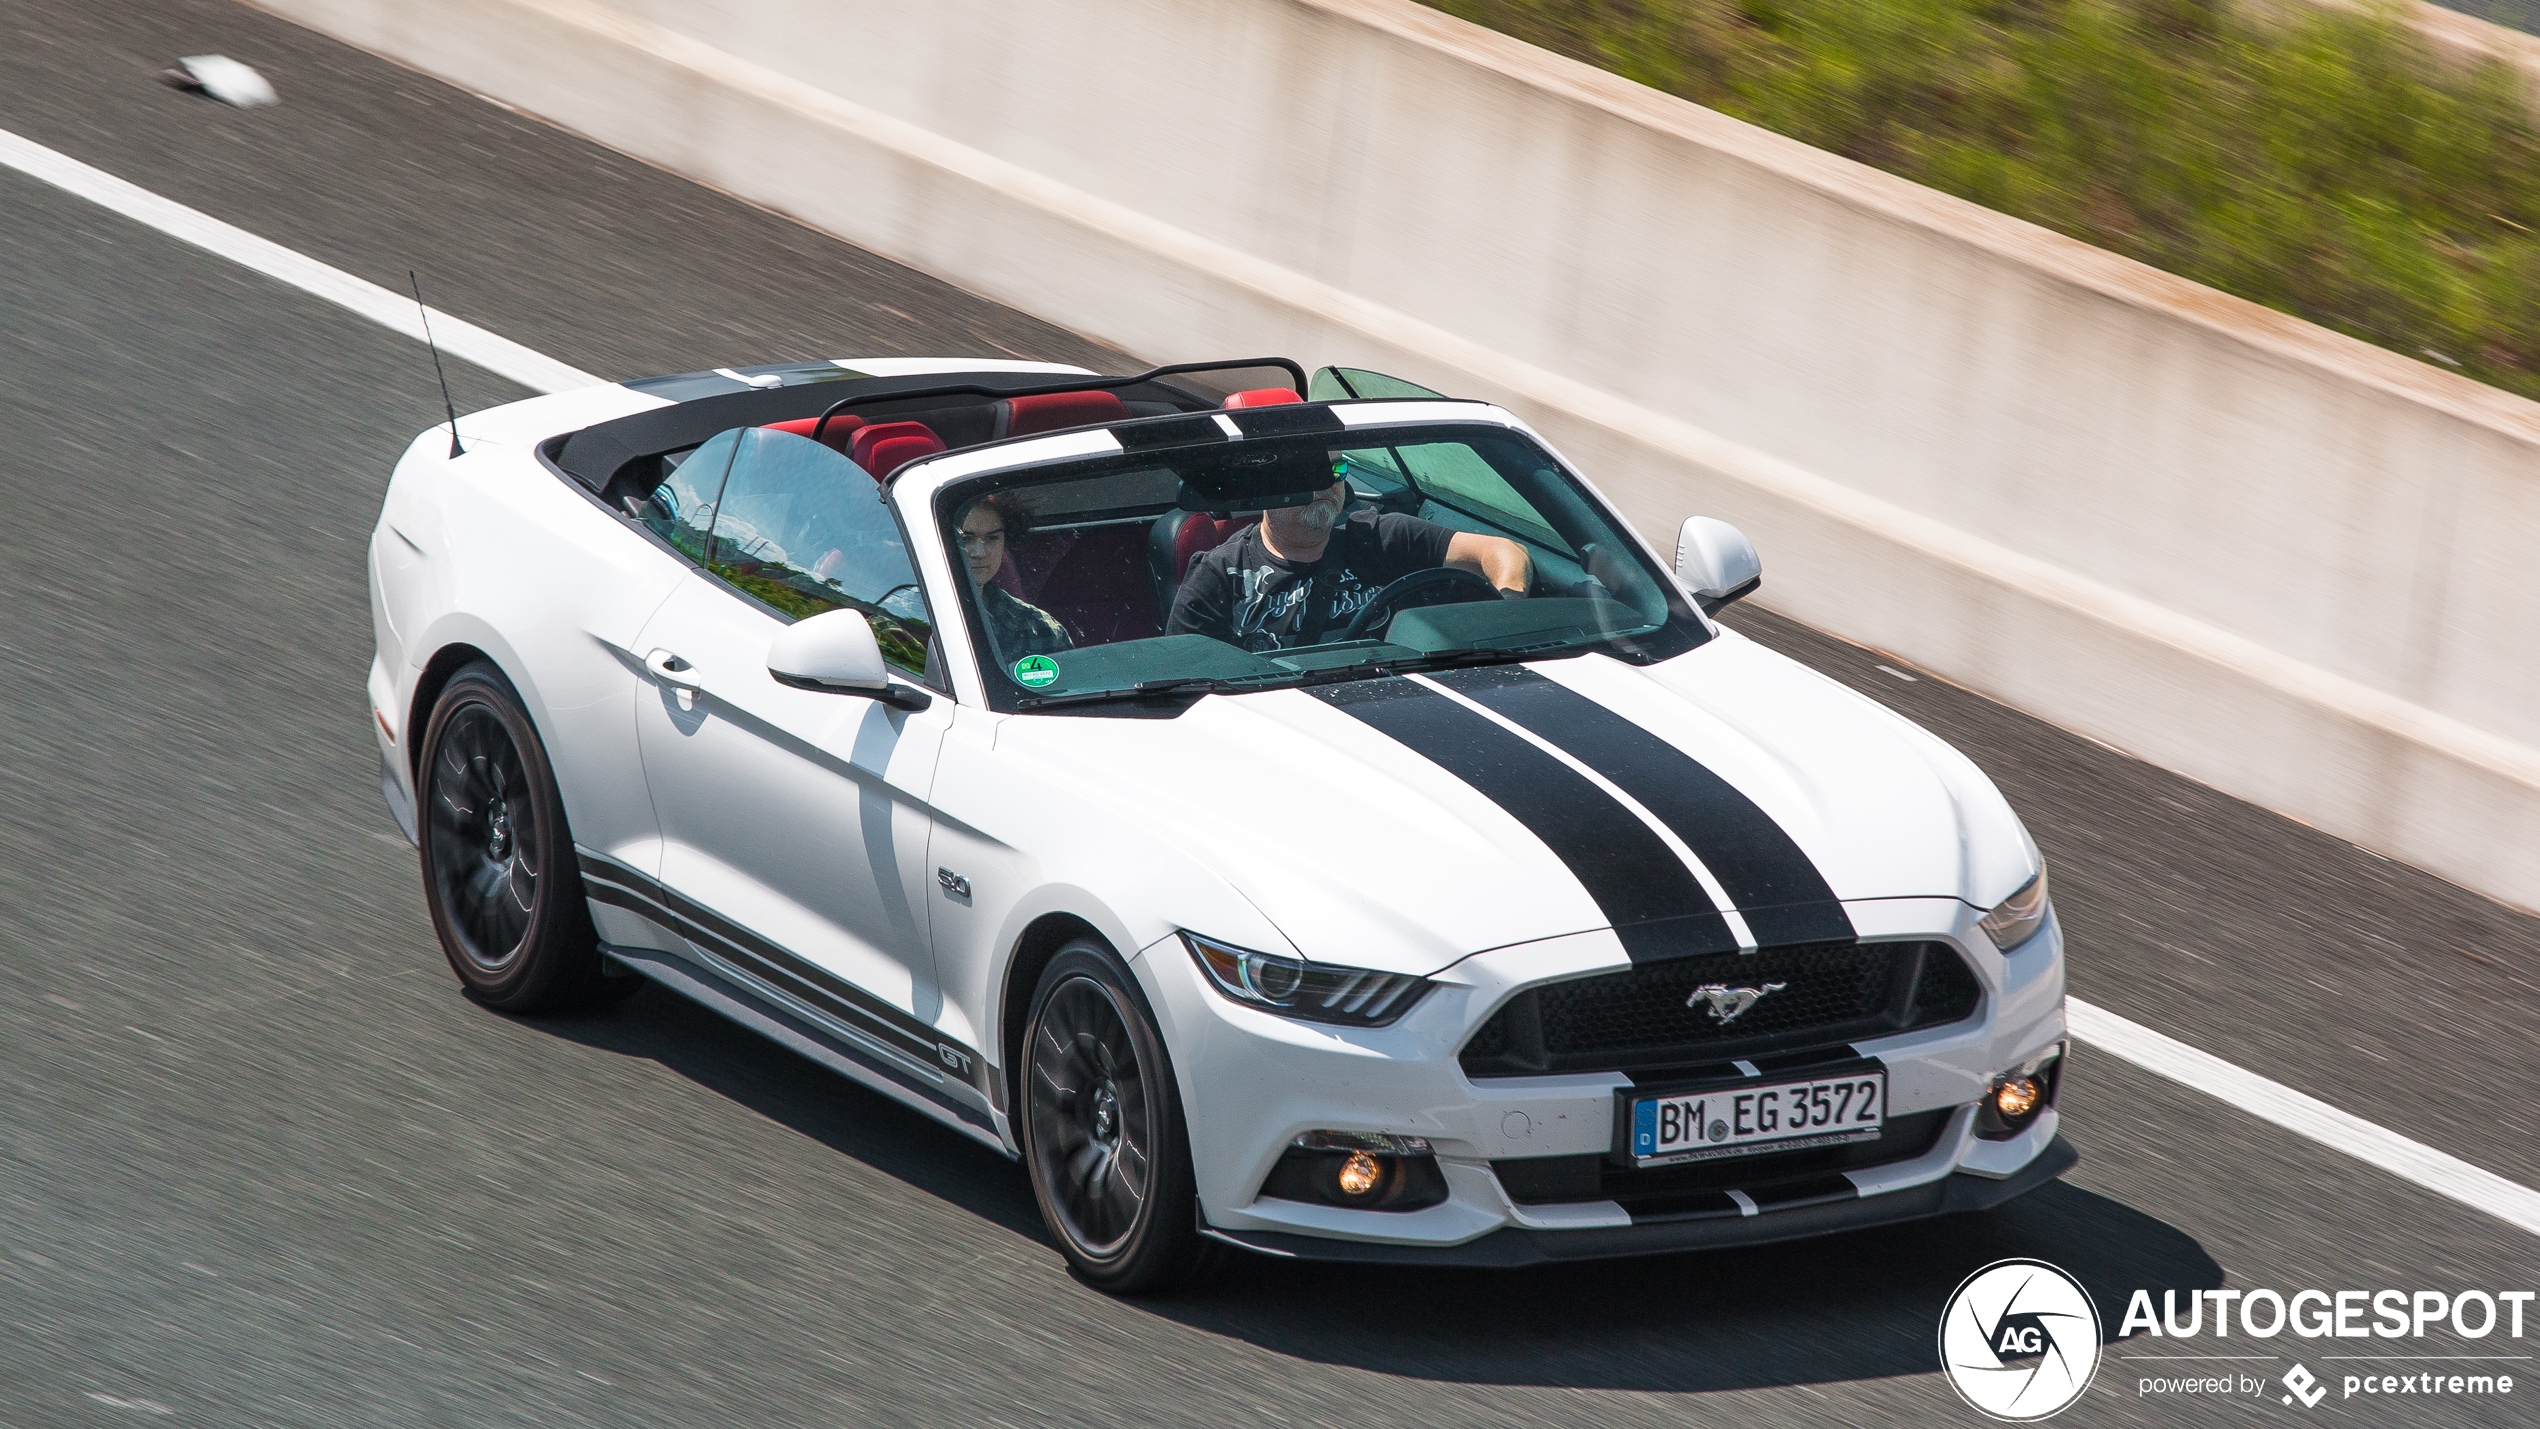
{"x": 1298, "y": 576}
{"x": 1017, "y": 628}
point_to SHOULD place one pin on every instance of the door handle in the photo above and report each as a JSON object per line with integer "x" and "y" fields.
{"x": 674, "y": 672}
{"x": 671, "y": 670}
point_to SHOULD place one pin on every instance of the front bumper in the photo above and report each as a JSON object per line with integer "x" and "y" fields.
{"x": 1252, "y": 1082}
{"x": 1513, "y": 1246}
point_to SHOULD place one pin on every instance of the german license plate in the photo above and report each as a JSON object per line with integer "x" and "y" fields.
{"x": 1739, "y": 1119}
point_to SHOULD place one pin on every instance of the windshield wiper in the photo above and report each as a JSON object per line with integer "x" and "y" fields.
{"x": 1457, "y": 659}
{"x": 1154, "y": 689}
{"x": 1330, "y": 674}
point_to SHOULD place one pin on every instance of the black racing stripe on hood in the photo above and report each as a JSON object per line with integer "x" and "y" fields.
{"x": 1774, "y": 885}
{"x": 1646, "y": 893}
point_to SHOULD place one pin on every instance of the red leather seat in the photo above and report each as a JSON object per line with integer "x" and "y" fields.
{"x": 1176, "y": 539}
{"x": 839, "y": 435}
{"x": 892, "y": 453}
{"x": 1054, "y": 411}
{"x": 1202, "y": 532}
{"x": 1260, "y": 397}
{"x": 886, "y": 446}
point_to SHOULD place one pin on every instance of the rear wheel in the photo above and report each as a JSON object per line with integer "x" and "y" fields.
{"x": 1103, "y": 1134}
{"x": 498, "y": 867}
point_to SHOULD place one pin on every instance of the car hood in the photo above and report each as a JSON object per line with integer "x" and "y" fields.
{"x": 1405, "y": 823}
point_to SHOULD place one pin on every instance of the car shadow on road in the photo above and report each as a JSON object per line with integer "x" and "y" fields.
{"x": 1863, "y": 1305}
{"x": 800, "y": 1094}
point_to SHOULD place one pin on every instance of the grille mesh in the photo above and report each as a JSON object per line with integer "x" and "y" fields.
{"x": 1640, "y": 1020}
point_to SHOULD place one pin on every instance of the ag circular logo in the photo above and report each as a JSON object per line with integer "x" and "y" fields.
{"x": 2019, "y": 1340}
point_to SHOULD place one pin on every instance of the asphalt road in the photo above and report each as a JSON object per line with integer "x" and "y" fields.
{"x": 260, "y": 1164}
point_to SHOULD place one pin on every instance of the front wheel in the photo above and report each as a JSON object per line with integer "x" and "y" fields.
{"x": 1103, "y": 1135}
{"x": 498, "y": 866}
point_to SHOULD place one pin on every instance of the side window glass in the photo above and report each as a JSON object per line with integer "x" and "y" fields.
{"x": 1334, "y": 383}
{"x": 681, "y": 509}
{"x": 1456, "y": 475}
{"x": 804, "y": 530}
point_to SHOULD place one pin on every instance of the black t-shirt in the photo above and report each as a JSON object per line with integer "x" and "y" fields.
{"x": 1243, "y": 595}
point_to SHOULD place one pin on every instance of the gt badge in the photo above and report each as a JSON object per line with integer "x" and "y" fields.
{"x": 1730, "y": 1003}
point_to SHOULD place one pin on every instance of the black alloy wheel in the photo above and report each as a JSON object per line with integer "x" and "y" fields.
{"x": 1103, "y": 1135}
{"x": 498, "y": 869}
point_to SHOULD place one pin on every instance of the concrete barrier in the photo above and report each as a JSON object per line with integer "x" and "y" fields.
{"x": 2280, "y": 561}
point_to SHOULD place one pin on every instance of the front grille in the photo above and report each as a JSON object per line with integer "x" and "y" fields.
{"x": 1770, "y": 1179}
{"x": 1643, "y": 1019}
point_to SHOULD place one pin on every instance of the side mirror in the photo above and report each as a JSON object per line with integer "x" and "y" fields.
{"x": 1716, "y": 562}
{"x": 835, "y": 653}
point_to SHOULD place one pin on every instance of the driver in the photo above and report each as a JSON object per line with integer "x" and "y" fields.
{"x": 1298, "y": 575}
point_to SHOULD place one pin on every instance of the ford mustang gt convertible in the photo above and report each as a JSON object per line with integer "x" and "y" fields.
{"x": 1303, "y": 818}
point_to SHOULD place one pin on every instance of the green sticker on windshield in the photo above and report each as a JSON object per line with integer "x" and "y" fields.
{"x": 1035, "y": 671}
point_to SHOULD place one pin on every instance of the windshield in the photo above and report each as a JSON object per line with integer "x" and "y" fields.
{"x": 1253, "y": 564}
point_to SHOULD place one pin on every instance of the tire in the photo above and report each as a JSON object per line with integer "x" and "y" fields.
{"x": 498, "y": 866}
{"x": 1103, "y": 1135}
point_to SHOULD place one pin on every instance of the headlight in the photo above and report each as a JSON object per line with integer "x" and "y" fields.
{"x": 2020, "y": 915}
{"x": 1293, "y": 987}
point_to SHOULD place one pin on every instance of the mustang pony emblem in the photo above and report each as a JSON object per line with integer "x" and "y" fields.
{"x": 1730, "y": 1003}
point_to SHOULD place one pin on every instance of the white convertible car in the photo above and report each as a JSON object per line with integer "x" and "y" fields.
{"x": 1308, "y": 820}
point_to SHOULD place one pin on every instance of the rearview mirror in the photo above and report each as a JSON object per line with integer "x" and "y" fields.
{"x": 1716, "y": 562}
{"x": 1254, "y": 476}
{"x": 835, "y": 653}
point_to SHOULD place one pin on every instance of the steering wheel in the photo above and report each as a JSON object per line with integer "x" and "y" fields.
{"x": 1455, "y": 586}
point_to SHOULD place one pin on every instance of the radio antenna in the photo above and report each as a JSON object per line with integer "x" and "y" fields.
{"x": 446, "y": 405}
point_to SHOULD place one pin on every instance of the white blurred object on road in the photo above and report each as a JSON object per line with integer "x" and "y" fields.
{"x": 226, "y": 80}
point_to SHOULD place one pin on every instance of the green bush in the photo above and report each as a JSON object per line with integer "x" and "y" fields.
{"x": 2324, "y": 164}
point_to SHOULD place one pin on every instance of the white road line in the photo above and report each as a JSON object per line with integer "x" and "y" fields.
{"x": 2412, "y": 1161}
{"x": 386, "y": 307}
{"x": 2436, "y": 1171}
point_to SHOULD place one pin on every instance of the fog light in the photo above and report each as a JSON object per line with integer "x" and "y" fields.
{"x": 1363, "y": 1170}
{"x": 2020, "y": 1095}
{"x": 1359, "y": 1175}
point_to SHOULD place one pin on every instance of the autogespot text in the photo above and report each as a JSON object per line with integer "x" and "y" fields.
{"x": 2329, "y": 1314}
{"x": 2459, "y": 1364}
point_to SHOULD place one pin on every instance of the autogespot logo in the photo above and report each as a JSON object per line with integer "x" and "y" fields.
{"x": 2019, "y": 1340}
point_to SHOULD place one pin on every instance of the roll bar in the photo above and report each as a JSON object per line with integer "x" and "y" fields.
{"x": 1079, "y": 384}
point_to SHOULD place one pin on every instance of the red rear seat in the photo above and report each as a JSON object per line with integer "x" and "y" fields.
{"x": 886, "y": 446}
{"x": 1260, "y": 397}
{"x": 1054, "y": 411}
{"x": 839, "y": 434}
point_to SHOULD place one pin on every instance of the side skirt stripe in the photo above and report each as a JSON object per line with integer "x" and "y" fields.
{"x": 715, "y": 992}
{"x": 1646, "y": 893}
{"x": 1769, "y": 878}
{"x": 610, "y": 882}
